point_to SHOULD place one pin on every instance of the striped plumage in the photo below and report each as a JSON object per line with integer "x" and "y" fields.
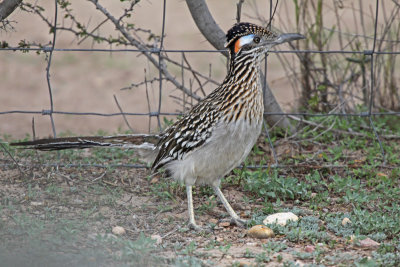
{"x": 220, "y": 131}
{"x": 238, "y": 97}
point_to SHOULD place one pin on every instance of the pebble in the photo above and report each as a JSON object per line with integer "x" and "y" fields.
{"x": 281, "y": 218}
{"x": 118, "y": 230}
{"x": 156, "y": 238}
{"x": 213, "y": 221}
{"x": 260, "y": 232}
{"x": 346, "y": 221}
{"x": 36, "y": 203}
{"x": 368, "y": 243}
{"x": 219, "y": 239}
{"x": 77, "y": 201}
{"x": 154, "y": 180}
{"x": 309, "y": 248}
{"x": 224, "y": 224}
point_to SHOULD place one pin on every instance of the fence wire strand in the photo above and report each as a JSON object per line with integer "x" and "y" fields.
{"x": 50, "y": 50}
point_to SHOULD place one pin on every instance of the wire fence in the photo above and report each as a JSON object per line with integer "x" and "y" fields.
{"x": 50, "y": 112}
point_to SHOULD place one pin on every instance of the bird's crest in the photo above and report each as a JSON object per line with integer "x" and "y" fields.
{"x": 245, "y": 28}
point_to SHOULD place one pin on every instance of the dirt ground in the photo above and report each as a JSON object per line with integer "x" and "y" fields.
{"x": 64, "y": 216}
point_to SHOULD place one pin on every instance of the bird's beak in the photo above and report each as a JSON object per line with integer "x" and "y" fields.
{"x": 287, "y": 37}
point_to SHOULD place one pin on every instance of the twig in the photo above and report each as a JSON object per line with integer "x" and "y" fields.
{"x": 147, "y": 52}
{"x": 95, "y": 28}
{"x": 123, "y": 114}
{"x": 194, "y": 74}
{"x": 13, "y": 159}
{"x": 239, "y": 10}
{"x": 33, "y": 129}
{"x": 147, "y": 98}
{"x": 100, "y": 177}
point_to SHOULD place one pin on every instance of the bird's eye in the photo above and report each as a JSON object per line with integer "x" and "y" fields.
{"x": 256, "y": 39}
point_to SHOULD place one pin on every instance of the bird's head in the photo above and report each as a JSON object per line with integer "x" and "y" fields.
{"x": 247, "y": 38}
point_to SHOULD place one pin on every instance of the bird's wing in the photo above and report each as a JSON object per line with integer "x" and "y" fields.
{"x": 187, "y": 134}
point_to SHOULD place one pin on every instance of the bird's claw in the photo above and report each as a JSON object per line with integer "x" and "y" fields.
{"x": 237, "y": 221}
{"x": 197, "y": 228}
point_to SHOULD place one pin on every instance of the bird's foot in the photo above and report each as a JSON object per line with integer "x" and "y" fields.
{"x": 197, "y": 228}
{"x": 237, "y": 221}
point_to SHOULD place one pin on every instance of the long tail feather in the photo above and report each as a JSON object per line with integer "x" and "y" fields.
{"x": 125, "y": 141}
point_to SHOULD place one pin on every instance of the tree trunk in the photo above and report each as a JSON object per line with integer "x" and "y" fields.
{"x": 7, "y": 7}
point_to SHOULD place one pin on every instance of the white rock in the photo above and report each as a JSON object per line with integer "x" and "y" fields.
{"x": 36, "y": 203}
{"x": 346, "y": 221}
{"x": 368, "y": 243}
{"x": 281, "y": 218}
{"x": 118, "y": 230}
{"x": 157, "y": 238}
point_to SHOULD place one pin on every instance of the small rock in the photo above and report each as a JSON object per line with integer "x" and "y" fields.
{"x": 118, "y": 230}
{"x": 281, "y": 218}
{"x": 309, "y": 248}
{"x": 213, "y": 221}
{"x": 77, "y": 201}
{"x": 154, "y": 180}
{"x": 368, "y": 243}
{"x": 260, "y": 231}
{"x": 157, "y": 238}
{"x": 224, "y": 224}
{"x": 381, "y": 174}
{"x": 346, "y": 221}
{"x": 36, "y": 203}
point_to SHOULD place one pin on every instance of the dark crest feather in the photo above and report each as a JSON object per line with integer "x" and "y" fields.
{"x": 244, "y": 28}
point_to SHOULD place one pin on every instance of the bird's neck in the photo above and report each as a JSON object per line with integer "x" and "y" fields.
{"x": 242, "y": 92}
{"x": 243, "y": 69}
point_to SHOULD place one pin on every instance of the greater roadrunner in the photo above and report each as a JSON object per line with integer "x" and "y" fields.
{"x": 217, "y": 134}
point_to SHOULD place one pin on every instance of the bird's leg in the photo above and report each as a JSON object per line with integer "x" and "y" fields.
{"x": 234, "y": 217}
{"x": 192, "y": 222}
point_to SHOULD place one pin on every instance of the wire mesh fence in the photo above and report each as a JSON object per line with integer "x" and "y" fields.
{"x": 369, "y": 55}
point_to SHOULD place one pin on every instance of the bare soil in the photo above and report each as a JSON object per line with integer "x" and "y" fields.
{"x": 63, "y": 216}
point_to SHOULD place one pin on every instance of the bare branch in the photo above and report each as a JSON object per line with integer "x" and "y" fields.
{"x": 146, "y": 51}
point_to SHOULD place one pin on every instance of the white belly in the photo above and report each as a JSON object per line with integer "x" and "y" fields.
{"x": 228, "y": 146}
